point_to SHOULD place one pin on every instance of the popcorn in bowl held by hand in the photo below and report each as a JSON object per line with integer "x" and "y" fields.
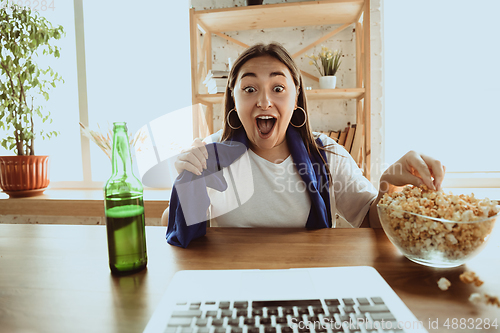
{"x": 459, "y": 208}
{"x": 433, "y": 233}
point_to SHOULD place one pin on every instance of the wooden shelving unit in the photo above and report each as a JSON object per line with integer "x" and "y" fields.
{"x": 314, "y": 94}
{"x": 281, "y": 15}
{"x": 348, "y": 13}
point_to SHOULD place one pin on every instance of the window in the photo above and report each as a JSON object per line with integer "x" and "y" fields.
{"x": 138, "y": 65}
{"x": 137, "y": 61}
{"x": 441, "y": 73}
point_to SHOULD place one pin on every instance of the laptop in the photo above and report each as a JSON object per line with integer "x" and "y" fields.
{"x": 305, "y": 300}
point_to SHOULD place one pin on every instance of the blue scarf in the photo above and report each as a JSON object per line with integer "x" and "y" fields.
{"x": 189, "y": 201}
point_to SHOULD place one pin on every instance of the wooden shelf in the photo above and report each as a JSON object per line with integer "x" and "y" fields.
{"x": 351, "y": 93}
{"x": 76, "y": 202}
{"x": 210, "y": 98}
{"x": 345, "y": 13}
{"x": 280, "y": 15}
{"x": 315, "y": 94}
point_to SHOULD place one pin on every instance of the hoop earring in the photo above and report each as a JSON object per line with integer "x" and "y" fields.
{"x": 229, "y": 122}
{"x": 305, "y": 118}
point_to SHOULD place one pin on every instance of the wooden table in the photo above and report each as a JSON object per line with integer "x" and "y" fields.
{"x": 55, "y": 278}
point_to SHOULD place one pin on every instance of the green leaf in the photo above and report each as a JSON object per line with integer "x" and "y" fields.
{"x": 24, "y": 34}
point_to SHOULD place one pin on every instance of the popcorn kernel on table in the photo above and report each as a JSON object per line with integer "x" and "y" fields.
{"x": 444, "y": 283}
{"x": 475, "y": 298}
{"x": 492, "y": 300}
{"x": 478, "y": 298}
{"x": 470, "y": 277}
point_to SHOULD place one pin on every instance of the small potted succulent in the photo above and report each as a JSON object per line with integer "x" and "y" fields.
{"x": 327, "y": 63}
{"x": 24, "y": 33}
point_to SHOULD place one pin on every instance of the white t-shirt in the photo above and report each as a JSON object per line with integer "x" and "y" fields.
{"x": 264, "y": 194}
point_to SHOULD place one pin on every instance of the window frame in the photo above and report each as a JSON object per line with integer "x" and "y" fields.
{"x": 453, "y": 179}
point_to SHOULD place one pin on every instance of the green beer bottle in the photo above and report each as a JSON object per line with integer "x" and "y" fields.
{"x": 124, "y": 209}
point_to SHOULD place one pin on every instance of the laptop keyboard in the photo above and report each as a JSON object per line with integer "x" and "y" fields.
{"x": 349, "y": 315}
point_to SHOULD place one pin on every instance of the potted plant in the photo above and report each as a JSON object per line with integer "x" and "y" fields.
{"x": 23, "y": 33}
{"x": 327, "y": 63}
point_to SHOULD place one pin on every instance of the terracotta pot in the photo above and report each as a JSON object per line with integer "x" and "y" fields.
{"x": 22, "y": 176}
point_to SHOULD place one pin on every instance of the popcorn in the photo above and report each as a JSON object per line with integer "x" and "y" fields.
{"x": 422, "y": 237}
{"x": 470, "y": 277}
{"x": 444, "y": 283}
{"x": 475, "y": 298}
{"x": 478, "y": 298}
{"x": 492, "y": 300}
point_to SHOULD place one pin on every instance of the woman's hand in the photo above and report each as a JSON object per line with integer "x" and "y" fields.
{"x": 193, "y": 159}
{"x": 412, "y": 168}
{"x": 415, "y": 169}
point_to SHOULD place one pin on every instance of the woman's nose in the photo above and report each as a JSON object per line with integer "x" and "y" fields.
{"x": 264, "y": 101}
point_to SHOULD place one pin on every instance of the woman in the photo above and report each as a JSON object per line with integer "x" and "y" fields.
{"x": 298, "y": 179}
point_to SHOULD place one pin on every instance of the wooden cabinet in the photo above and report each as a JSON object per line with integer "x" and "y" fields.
{"x": 347, "y": 13}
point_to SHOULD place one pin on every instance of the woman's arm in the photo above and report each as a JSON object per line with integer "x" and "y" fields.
{"x": 350, "y": 193}
{"x": 413, "y": 168}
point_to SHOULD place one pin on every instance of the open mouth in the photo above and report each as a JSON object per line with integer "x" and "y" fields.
{"x": 265, "y": 124}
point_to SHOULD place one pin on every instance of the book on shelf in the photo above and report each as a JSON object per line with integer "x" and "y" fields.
{"x": 342, "y": 136}
{"x": 357, "y": 144}
{"x": 216, "y": 74}
{"x": 334, "y": 135}
{"x": 218, "y": 81}
{"x": 213, "y": 83}
{"x": 216, "y": 90}
{"x": 350, "y": 137}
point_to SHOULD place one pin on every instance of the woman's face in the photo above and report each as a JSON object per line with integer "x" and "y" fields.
{"x": 265, "y": 97}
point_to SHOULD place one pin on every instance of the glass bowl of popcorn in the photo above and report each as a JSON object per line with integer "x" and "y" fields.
{"x": 437, "y": 229}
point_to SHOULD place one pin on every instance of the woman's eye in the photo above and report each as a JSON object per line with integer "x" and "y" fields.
{"x": 249, "y": 89}
{"x": 279, "y": 89}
